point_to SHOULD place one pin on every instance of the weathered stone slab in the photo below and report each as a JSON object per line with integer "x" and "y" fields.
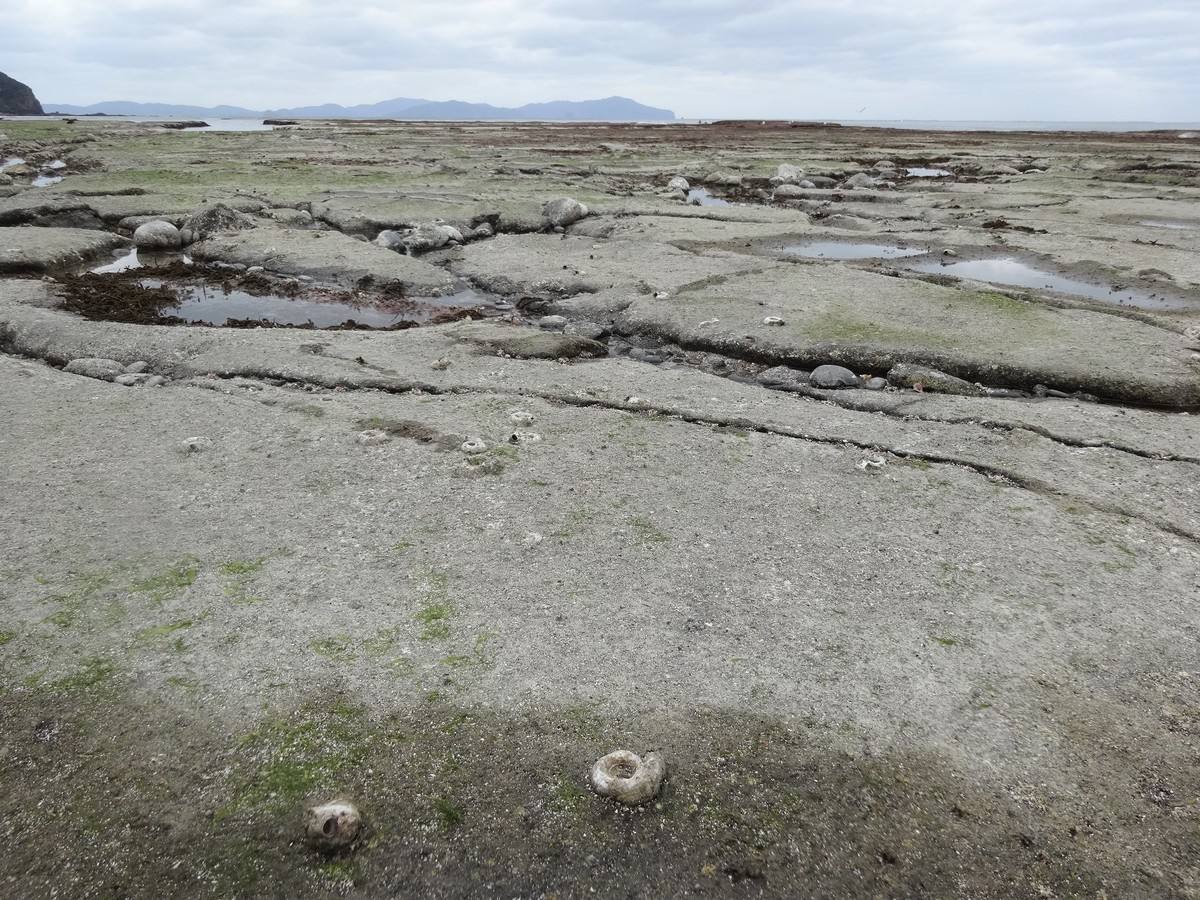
{"x": 322, "y": 254}
{"x": 33, "y": 250}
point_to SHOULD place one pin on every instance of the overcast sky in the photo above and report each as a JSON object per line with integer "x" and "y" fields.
{"x": 1055, "y": 60}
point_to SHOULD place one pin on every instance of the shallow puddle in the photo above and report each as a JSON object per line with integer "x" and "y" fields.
{"x": 124, "y": 263}
{"x": 233, "y": 125}
{"x": 1181, "y": 226}
{"x": 167, "y": 289}
{"x": 213, "y": 305}
{"x": 46, "y": 180}
{"x": 1012, "y": 272}
{"x": 10, "y": 161}
{"x": 849, "y": 250}
{"x": 701, "y": 197}
{"x": 920, "y": 172}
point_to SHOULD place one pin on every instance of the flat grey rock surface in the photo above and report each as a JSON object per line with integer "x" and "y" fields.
{"x": 893, "y": 642}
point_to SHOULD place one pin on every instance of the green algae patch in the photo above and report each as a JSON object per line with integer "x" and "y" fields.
{"x": 288, "y": 757}
{"x": 452, "y": 796}
{"x": 239, "y": 574}
{"x": 94, "y": 673}
{"x": 433, "y": 614}
{"x": 841, "y": 328}
{"x": 85, "y": 597}
{"x": 171, "y": 582}
{"x": 153, "y": 634}
{"x": 999, "y": 303}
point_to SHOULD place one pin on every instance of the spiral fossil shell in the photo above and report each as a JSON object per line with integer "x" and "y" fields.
{"x": 628, "y": 778}
{"x": 332, "y": 826}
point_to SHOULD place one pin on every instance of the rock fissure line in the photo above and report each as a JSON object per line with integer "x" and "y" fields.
{"x": 992, "y": 424}
{"x": 992, "y": 473}
{"x": 1081, "y": 443}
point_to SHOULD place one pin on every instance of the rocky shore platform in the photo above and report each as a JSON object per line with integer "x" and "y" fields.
{"x": 756, "y": 445}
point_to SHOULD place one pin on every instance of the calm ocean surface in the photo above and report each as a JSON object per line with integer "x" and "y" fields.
{"x": 935, "y": 125}
{"x": 1191, "y": 128}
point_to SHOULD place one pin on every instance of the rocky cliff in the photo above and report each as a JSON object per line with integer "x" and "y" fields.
{"x": 17, "y": 99}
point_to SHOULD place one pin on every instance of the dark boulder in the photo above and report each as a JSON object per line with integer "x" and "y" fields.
{"x": 17, "y": 99}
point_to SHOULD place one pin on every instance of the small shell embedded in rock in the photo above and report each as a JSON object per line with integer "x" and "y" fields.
{"x": 524, "y": 437}
{"x": 372, "y": 436}
{"x": 871, "y": 464}
{"x": 196, "y": 444}
{"x": 472, "y": 446}
{"x": 332, "y": 826}
{"x": 628, "y": 778}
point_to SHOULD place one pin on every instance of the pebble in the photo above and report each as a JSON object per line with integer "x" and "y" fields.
{"x": 133, "y": 379}
{"x": 373, "y": 436}
{"x": 136, "y": 368}
{"x": 647, "y": 356}
{"x": 875, "y": 384}
{"x": 473, "y": 446}
{"x": 521, "y": 419}
{"x": 871, "y": 464}
{"x": 589, "y": 330}
{"x": 782, "y": 375}
{"x": 524, "y": 437}
{"x": 95, "y": 367}
{"x": 773, "y": 320}
{"x": 552, "y": 323}
{"x": 908, "y": 375}
{"x": 562, "y": 211}
{"x": 830, "y": 376}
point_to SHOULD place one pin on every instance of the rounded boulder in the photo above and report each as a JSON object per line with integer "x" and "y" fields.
{"x": 157, "y": 236}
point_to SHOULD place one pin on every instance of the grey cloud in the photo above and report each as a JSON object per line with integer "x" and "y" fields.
{"x": 701, "y": 57}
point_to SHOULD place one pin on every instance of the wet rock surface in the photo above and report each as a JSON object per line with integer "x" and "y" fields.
{"x": 892, "y": 641}
{"x": 36, "y": 251}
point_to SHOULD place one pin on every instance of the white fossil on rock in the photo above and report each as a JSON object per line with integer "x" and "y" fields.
{"x": 628, "y": 778}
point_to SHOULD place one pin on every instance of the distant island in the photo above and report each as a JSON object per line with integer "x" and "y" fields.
{"x": 610, "y": 109}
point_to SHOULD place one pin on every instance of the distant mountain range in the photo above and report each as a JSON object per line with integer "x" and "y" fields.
{"x": 611, "y": 109}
